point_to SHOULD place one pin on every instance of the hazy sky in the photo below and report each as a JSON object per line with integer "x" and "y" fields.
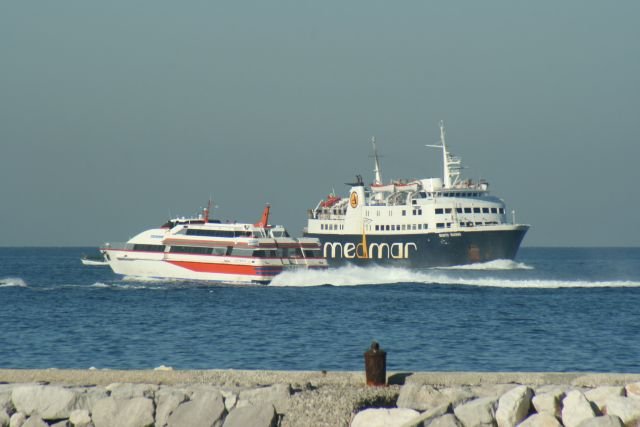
{"x": 116, "y": 114}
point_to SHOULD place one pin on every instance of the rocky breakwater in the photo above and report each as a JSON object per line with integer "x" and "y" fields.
{"x": 533, "y": 400}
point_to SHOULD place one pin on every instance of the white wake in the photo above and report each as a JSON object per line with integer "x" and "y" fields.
{"x": 12, "y": 282}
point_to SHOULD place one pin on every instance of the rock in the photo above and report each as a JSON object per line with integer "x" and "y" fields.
{"x": 167, "y": 400}
{"x": 63, "y": 423}
{"x": 383, "y": 417}
{"x": 112, "y": 412}
{"x": 129, "y": 391}
{"x": 633, "y": 390}
{"x": 275, "y": 394}
{"x": 549, "y": 402}
{"x": 599, "y": 395}
{"x": 477, "y": 413}
{"x": 627, "y": 408}
{"x": 428, "y": 416}
{"x": 204, "y": 409}
{"x": 423, "y": 397}
{"x": 447, "y": 420}
{"x": 49, "y": 402}
{"x": 80, "y": 418}
{"x": 541, "y": 420}
{"x": 17, "y": 419}
{"x": 87, "y": 397}
{"x": 4, "y": 418}
{"x": 576, "y": 409}
{"x": 5, "y": 401}
{"x": 603, "y": 421}
{"x": 513, "y": 406}
{"x": 252, "y": 416}
{"x": 35, "y": 421}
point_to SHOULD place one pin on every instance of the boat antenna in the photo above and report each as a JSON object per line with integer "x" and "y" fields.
{"x": 378, "y": 176}
{"x": 451, "y": 164}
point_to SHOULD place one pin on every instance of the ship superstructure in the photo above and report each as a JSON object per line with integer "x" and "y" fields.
{"x": 416, "y": 223}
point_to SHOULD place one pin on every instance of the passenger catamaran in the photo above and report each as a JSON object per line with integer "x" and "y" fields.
{"x": 416, "y": 223}
{"x": 203, "y": 249}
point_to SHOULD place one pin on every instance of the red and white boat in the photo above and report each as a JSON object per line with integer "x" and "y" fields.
{"x": 203, "y": 249}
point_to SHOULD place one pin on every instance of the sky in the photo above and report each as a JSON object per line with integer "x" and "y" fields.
{"x": 116, "y": 115}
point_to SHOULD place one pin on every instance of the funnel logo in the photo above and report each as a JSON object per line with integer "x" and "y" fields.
{"x": 353, "y": 200}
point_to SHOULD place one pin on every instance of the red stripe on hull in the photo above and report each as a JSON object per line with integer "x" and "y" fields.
{"x": 202, "y": 267}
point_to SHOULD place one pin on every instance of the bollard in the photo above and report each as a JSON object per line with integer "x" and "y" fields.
{"x": 375, "y": 365}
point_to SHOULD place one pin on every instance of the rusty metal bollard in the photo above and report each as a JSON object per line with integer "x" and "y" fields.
{"x": 375, "y": 365}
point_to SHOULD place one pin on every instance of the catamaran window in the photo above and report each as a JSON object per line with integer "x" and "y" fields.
{"x": 494, "y": 210}
{"x": 241, "y": 252}
{"x": 467, "y": 210}
{"x": 191, "y": 250}
{"x": 439, "y": 211}
{"x": 440, "y": 225}
{"x": 210, "y": 233}
{"x": 447, "y": 210}
{"x": 148, "y": 248}
{"x": 312, "y": 253}
{"x": 219, "y": 251}
{"x": 476, "y": 210}
{"x": 485, "y": 210}
{"x": 459, "y": 210}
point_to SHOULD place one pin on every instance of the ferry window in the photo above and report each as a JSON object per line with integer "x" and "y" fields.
{"x": 377, "y": 228}
{"x": 241, "y": 252}
{"x": 312, "y": 253}
{"x": 404, "y": 227}
{"x": 425, "y": 226}
{"x": 467, "y": 210}
{"x": 439, "y": 211}
{"x": 478, "y": 223}
{"x": 423, "y": 194}
{"x": 462, "y": 224}
{"x": 413, "y": 227}
{"x": 404, "y": 213}
{"x": 440, "y": 225}
{"x": 419, "y": 211}
{"x": 447, "y": 210}
{"x": 191, "y": 250}
{"x": 419, "y": 226}
{"x": 148, "y": 248}
{"x": 485, "y": 210}
{"x": 502, "y": 211}
{"x": 448, "y": 225}
{"x": 387, "y": 228}
{"x": 393, "y": 227}
{"x": 476, "y": 210}
{"x": 219, "y": 251}
{"x": 494, "y": 210}
{"x": 459, "y": 210}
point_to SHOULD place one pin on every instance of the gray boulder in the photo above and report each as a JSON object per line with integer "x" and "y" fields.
{"x": 383, "y": 417}
{"x": 627, "y": 408}
{"x": 17, "y": 419}
{"x": 541, "y": 420}
{"x": 88, "y": 396}
{"x": 252, "y": 416}
{"x": 49, "y": 402}
{"x": 423, "y": 397}
{"x": 35, "y": 421}
{"x": 129, "y": 390}
{"x": 548, "y": 402}
{"x": 428, "y": 416}
{"x": 477, "y": 413}
{"x": 112, "y": 412}
{"x": 446, "y": 420}
{"x": 576, "y": 409}
{"x": 80, "y": 418}
{"x": 600, "y": 395}
{"x": 276, "y": 394}
{"x": 63, "y": 423}
{"x": 4, "y": 418}
{"x": 633, "y": 390}
{"x": 205, "y": 409}
{"x": 167, "y": 400}
{"x": 513, "y": 406}
{"x": 603, "y": 421}
{"x": 5, "y": 401}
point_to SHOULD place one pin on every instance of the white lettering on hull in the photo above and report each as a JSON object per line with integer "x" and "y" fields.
{"x": 375, "y": 250}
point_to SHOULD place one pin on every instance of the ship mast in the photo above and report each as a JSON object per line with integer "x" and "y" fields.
{"x": 450, "y": 163}
{"x": 378, "y": 178}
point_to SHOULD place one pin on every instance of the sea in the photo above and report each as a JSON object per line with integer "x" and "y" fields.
{"x": 551, "y": 309}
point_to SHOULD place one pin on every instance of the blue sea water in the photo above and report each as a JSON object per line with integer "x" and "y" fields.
{"x": 553, "y": 309}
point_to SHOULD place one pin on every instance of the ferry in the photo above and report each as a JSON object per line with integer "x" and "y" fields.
{"x": 203, "y": 249}
{"x": 416, "y": 223}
